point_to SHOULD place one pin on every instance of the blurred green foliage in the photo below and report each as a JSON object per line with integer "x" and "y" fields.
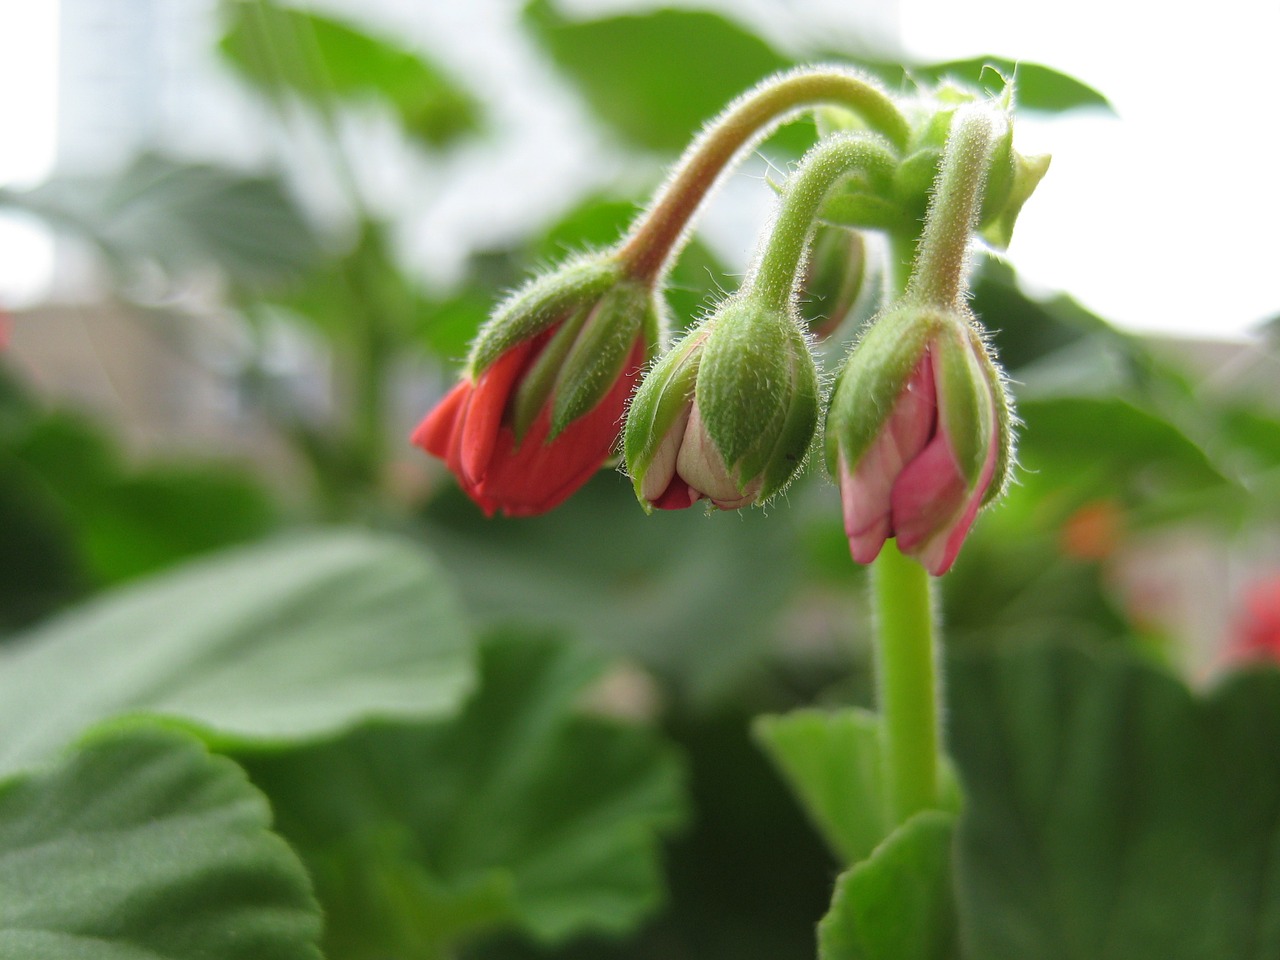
{"x": 442, "y": 808}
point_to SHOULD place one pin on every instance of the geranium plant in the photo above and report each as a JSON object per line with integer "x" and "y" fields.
{"x": 770, "y": 627}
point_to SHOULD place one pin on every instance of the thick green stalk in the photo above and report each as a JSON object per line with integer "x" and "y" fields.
{"x": 938, "y": 275}
{"x": 907, "y": 682}
{"x": 656, "y": 237}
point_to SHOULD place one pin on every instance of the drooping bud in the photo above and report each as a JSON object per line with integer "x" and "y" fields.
{"x": 833, "y": 278}
{"x": 918, "y": 434}
{"x": 727, "y": 415}
{"x": 541, "y": 404}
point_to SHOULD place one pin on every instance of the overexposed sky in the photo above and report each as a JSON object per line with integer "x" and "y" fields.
{"x": 1159, "y": 219}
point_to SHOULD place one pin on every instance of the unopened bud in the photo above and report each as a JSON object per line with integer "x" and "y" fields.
{"x": 540, "y": 407}
{"x": 833, "y": 278}
{"x": 727, "y": 415}
{"x": 918, "y": 434}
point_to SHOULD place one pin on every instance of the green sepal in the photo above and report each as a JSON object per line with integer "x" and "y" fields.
{"x": 862, "y": 211}
{"x": 1027, "y": 174}
{"x": 541, "y": 303}
{"x": 757, "y": 393}
{"x": 1001, "y": 172}
{"x": 965, "y": 398}
{"x": 799, "y": 423}
{"x": 1006, "y": 417}
{"x": 661, "y": 397}
{"x": 874, "y": 375}
{"x": 914, "y": 179}
{"x": 536, "y": 385}
{"x": 598, "y": 353}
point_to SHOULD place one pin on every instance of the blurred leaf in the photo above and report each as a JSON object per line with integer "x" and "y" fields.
{"x": 832, "y": 761}
{"x": 1108, "y": 445}
{"x": 180, "y": 216}
{"x": 899, "y": 904}
{"x": 517, "y": 812}
{"x": 1039, "y": 88}
{"x": 127, "y": 522}
{"x": 139, "y": 845}
{"x": 1110, "y": 814}
{"x": 291, "y": 640}
{"x": 1015, "y": 579}
{"x": 1023, "y": 328}
{"x": 694, "y": 597}
{"x": 322, "y": 60}
{"x": 655, "y": 77}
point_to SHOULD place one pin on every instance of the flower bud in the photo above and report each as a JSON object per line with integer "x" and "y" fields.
{"x": 918, "y": 434}
{"x": 727, "y": 415}
{"x": 539, "y": 409}
{"x": 832, "y": 278}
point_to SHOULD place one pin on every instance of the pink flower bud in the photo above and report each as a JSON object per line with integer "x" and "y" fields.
{"x": 917, "y": 435}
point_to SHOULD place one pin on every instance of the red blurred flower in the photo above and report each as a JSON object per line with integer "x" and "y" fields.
{"x": 1256, "y": 630}
{"x": 471, "y": 430}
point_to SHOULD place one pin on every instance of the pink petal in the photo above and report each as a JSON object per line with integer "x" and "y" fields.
{"x": 866, "y": 491}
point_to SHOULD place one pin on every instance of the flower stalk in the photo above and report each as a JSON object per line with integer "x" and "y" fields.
{"x": 657, "y": 236}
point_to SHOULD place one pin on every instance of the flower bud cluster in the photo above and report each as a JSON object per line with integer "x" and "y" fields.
{"x": 570, "y": 370}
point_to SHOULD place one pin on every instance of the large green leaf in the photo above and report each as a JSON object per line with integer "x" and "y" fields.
{"x": 181, "y": 216}
{"x": 655, "y": 77}
{"x": 282, "y": 48}
{"x": 1112, "y": 814}
{"x": 299, "y": 638}
{"x": 141, "y": 846}
{"x": 898, "y": 904}
{"x": 519, "y": 812}
{"x": 694, "y": 597}
{"x": 126, "y": 521}
{"x": 832, "y": 760}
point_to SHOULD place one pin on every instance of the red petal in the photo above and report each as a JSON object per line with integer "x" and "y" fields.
{"x": 539, "y": 475}
{"x": 435, "y": 433}
{"x": 678, "y": 496}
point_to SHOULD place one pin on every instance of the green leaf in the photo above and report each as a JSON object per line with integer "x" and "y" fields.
{"x": 128, "y": 521}
{"x": 899, "y": 904}
{"x": 323, "y": 60}
{"x": 1112, "y": 814}
{"x": 181, "y": 216}
{"x": 519, "y": 812}
{"x": 295, "y": 639}
{"x": 832, "y": 760}
{"x": 655, "y": 77}
{"x": 1038, "y": 88}
{"x": 138, "y": 845}
{"x": 693, "y": 597}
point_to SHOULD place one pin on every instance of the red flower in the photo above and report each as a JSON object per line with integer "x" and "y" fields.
{"x": 550, "y": 373}
{"x": 470, "y": 429}
{"x": 1256, "y": 631}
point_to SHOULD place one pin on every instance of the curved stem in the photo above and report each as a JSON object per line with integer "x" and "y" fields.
{"x": 938, "y": 276}
{"x": 821, "y": 170}
{"x": 658, "y": 234}
{"x": 908, "y": 690}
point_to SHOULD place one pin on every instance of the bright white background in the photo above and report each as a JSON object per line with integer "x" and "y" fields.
{"x": 1162, "y": 218}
